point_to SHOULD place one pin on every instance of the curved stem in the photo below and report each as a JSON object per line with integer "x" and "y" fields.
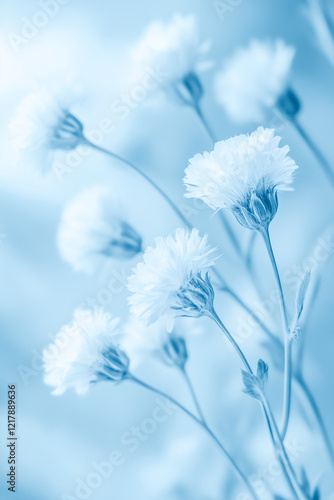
{"x": 193, "y": 393}
{"x": 203, "y": 425}
{"x": 196, "y": 107}
{"x": 325, "y": 165}
{"x": 287, "y": 339}
{"x": 172, "y": 205}
{"x": 308, "y": 393}
{"x": 270, "y": 419}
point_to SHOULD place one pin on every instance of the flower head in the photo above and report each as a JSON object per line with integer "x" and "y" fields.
{"x": 170, "y": 282}
{"x": 42, "y": 125}
{"x": 175, "y": 50}
{"x": 85, "y": 352}
{"x": 253, "y": 79}
{"x": 142, "y": 342}
{"x": 242, "y": 174}
{"x": 91, "y": 232}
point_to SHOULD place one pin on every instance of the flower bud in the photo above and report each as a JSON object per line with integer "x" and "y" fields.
{"x": 68, "y": 134}
{"x": 175, "y": 350}
{"x": 190, "y": 89}
{"x": 196, "y": 298}
{"x": 116, "y": 365}
{"x": 289, "y": 104}
{"x": 258, "y": 210}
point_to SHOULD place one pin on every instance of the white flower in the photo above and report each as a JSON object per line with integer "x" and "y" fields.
{"x": 92, "y": 233}
{"x": 253, "y": 79}
{"x": 174, "y": 50}
{"x": 169, "y": 281}
{"x": 242, "y": 174}
{"x": 42, "y": 125}
{"x": 85, "y": 352}
{"x": 142, "y": 342}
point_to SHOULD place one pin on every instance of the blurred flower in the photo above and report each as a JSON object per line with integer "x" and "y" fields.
{"x": 142, "y": 342}
{"x": 175, "y": 50}
{"x": 322, "y": 25}
{"x": 44, "y": 124}
{"x": 85, "y": 352}
{"x": 253, "y": 79}
{"x": 169, "y": 281}
{"x": 91, "y": 232}
{"x": 242, "y": 174}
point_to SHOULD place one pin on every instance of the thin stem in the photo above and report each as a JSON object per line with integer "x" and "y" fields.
{"x": 172, "y": 205}
{"x": 221, "y": 325}
{"x": 325, "y": 165}
{"x": 310, "y": 397}
{"x": 287, "y": 339}
{"x": 270, "y": 419}
{"x": 193, "y": 393}
{"x": 196, "y": 107}
{"x": 203, "y": 425}
{"x": 230, "y": 233}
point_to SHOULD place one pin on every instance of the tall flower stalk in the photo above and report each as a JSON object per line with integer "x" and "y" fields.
{"x": 170, "y": 282}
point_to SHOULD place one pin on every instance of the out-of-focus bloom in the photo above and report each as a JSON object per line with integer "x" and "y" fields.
{"x": 85, "y": 352}
{"x": 174, "y": 50}
{"x": 253, "y": 79}
{"x": 323, "y": 27}
{"x": 242, "y": 174}
{"x": 42, "y": 125}
{"x": 170, "y": 282}
{"x": 91, "y": 232}
{"x": 141, "y": 342}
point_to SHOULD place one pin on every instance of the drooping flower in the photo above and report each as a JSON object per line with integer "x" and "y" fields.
{"x": 254, "y": 79}
{"x": 142, "y": 342}
{"x": 91, "y": 232}
{"x": 170, "y": 281}
{"x": 85, "y": 352}
{"x": 42, "y": 125}
{"x": 243, "y": 174}
{"x": 174, "y": 50}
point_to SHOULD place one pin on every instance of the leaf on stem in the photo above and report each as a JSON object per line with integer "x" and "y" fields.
{"x": 255, "y": 384}
{"x": 301, "y": 294}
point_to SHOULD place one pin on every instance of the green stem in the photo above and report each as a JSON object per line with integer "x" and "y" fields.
{"x": 203, "y": 425}
{"x": 287, "y": 338}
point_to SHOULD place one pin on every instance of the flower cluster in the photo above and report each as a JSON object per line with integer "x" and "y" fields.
{"x": 242, "y": 174}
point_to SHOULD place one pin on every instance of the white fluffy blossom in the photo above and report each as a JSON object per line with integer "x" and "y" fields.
{"x": 253, "y": 79}
{"x": 85, "y": 352}
{"x": 169, "y": 281}
{"x": 91, "y": 232}
{"x": 242, "y": 174}
{"x": 173, "y": 48}
{"x": 42, "y": 125}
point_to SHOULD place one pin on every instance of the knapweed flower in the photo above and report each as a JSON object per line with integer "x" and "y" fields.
{"x": 254, "y": 79}
{"x": 243, "y": 174}
{"x": 143, "y": 342}
{"x": 175, "y": 52}
{"x": 171, "y": 280}
{"x": 42, "y": 125}
{"x": 91, "y": 232}
{"x": 84, "y": 352}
